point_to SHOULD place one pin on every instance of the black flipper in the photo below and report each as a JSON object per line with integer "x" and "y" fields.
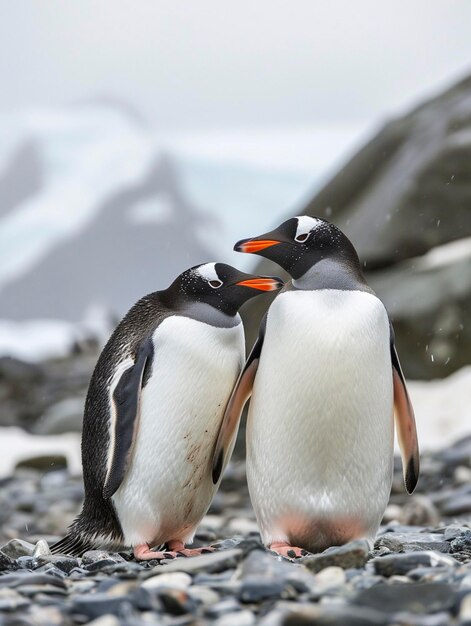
{"x": 126, "y": 404}
{"x": 240, "y": 394}
{"x": 405, "y": 423}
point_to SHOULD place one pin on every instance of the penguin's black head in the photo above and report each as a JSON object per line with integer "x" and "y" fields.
{"x": 301, "y": 242}
{"x": 221, "y": 286}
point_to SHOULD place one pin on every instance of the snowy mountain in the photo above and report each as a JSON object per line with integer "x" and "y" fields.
{"x": 96, "y": 209}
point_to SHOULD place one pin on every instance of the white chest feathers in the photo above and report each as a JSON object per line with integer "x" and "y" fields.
{"x": 168, "y": 486}
{"x": 320, "y": 431}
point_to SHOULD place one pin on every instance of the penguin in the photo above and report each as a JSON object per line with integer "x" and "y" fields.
{"x": 153, "y": 410}
{"x": 324, "y": 379}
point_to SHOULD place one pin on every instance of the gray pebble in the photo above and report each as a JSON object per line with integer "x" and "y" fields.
{"x": 351, "y": 555}
{"x": 413, "y": 597}
{"x": 17, "y": 547}
{"x": 403, "y": 563}
{"x": 41, "y": 549}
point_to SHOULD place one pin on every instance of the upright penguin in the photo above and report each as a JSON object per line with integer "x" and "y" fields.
{"x": 324, "y": 377}
{"x": 153, "y": 410}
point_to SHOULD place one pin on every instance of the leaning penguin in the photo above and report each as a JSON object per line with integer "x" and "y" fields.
{"x": 325, "y": 379}
{"x": 153, "y": 410}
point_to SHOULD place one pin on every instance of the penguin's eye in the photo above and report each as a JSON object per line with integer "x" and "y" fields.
{"x": 215, "y": 284}
{"x": 302, "y": 237}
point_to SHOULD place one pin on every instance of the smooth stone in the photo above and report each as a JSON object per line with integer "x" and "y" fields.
{"x": 465, "y": 609}
{"x": 172, "y": 580}
{"x": 98, "y": 604}
{"x": 442, "y": 546}
{"x": 213, "y": 580}
{"x": 82, "y": 586}
{"x": 41, "y": 549}
{"x": 452, "y": 532}
{"x": 429, "y": 574}
{"x": 176, "y": 601}
{"x": 411, "y": 619}
{"x": 105, "y": 620}
{"x": 411, "y": 535}
{"x": 389, "y": 541}
{"x": 258, "y": 590}
{"x": 240, "y": 618}
{"x": 262, "y": 564}
{"x": 364, "y": 580}
{"x": 45, "y": 589}
{"x": 63, "y": 417}
{"x": 403, "y": 563}
{"x": 143, "y": 600}
{"x": 208, "y": 563}
{"x": 22, "y": 577}
{"x": 461, "y": 543}
{"x": 95, "y": 556}
{"x": 462, "y": 475}
{"x": 392, "y": 513}
{"x": 330, "y": 578}
{"x": 224, "y": 606}
{"x": 27, "y": 562}
{"x": 242, "y": 526}
{"x": 420, "y": 511}
{"x": 411, "y": 597}
{"x": 457, "y": 506}
{"x": 228, "y": 544}
{"x": 203, "y": 595}
{"x": 50, "y": 568}
{"x": 48, "y": 615}
{"x": 17, "y": 547}
{"x": 403, "y": 529}
{"x": 108, "y": 564}
{"x": 327, "y": 615}
{"x": 212, "y": 522}
{"x": 261, "y": 568}
{"x": 44, "y": 463}
{"x": 351, "y": 555}
{"x": 11, "y": 600}
{"x": 64, "y": 563}
{"x": 7, "y": 564}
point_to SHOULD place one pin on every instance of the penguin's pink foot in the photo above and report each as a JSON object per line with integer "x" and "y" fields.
{"x": 142, "y": 552}
{"x": 289, "y": 552}
{"x": 179, "y": 547}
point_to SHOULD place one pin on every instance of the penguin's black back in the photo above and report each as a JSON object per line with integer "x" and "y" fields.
{"x": 98, "y": 522}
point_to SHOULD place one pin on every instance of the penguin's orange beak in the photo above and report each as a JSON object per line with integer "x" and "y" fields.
{"x": 254, "y": 245}
{"x": 262, "y": 284}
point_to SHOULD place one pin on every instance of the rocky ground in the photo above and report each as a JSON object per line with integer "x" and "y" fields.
{"x": 418, "y": 574}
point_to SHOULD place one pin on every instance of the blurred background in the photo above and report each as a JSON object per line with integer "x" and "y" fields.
{"x": 140, "y": 138}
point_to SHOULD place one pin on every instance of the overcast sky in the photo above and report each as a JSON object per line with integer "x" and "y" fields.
{"x": 225, "y": 63}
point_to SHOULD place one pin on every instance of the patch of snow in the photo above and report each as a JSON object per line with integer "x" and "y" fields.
{"x": 446, "y": 254}
{"x": 16, "y": 445}
{"x": 36, "y": 340}
{"x": 87, "y": 154}
{"x": 442, "y": 409}
{"x": 157, "y": 209}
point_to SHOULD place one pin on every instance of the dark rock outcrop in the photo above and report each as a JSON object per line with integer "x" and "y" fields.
{"x": 406, "y": 192}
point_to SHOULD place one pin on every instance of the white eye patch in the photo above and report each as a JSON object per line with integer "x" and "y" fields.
{"x": 305, "y": 225}
{"x": 208, "y": 273}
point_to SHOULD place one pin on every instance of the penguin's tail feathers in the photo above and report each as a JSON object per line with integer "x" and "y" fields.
{"x": 73, "y": 545}
{"x": 96, "y": 526}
